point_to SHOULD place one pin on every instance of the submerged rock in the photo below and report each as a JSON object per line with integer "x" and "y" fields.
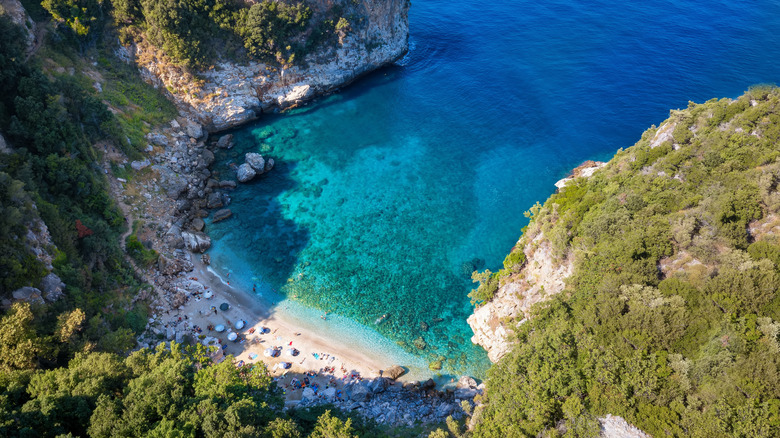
{"x": 221, "y": 215}
{"x": 225, "y": 142}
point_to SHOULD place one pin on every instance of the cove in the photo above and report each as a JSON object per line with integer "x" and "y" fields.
{"x": 386, "y": 196}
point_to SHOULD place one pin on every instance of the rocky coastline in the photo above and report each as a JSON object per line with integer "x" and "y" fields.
{"x": 229, "y": 95}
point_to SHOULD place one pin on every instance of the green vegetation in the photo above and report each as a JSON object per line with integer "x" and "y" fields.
{"x": 670, "y": 318}
{"x": 169, "y": 392}
{"x": 141, "y": 252}
{"x": 197, "y": 33}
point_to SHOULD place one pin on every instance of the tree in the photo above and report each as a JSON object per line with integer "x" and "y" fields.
{"x": 329, "y": 426}
{"x": 20, "y": 345}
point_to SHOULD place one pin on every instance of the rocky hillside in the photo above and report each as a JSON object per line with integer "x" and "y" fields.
{"x": 233, "y": 93}
{"x": 647, "y": 289}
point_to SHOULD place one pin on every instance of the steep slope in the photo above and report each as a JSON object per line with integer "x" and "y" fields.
{"x": 664, "y": 270}
{"x": 232, "y": 93}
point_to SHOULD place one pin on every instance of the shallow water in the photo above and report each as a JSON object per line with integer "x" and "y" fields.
{"x": 387, "y": 195}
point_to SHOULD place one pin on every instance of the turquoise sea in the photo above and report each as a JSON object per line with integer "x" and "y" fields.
{"x": 386, "y": 196}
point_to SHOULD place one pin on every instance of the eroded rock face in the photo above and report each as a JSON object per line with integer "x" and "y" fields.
{"x": 196, "y": 241}
{"x": 584, "y": 170}
{"x": 234, "y": 94}
{"x": 541, "y": 277}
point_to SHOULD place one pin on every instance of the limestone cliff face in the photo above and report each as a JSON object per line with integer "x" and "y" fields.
{"x": 231, "y": 94}
{"x": 541, "y": 277}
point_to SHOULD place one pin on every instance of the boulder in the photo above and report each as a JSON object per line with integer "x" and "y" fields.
{"x": 378, "y": 385}
{"x": 207, "y": 156}
{"x": 173, "y": 183}
{"x": 138, "y": 165}
{"x": 395, "y": 372}
{"x": 466, "y": 382}
{"x": 196, "y": 241}
{"x": 256, "y": 161}
{"x": 214, "y": 200}
{"x": 357, "y": 393}
{"x": 444, "y": 410}
{"x": 308, "y": 395}
{"x": 29, "y": 294}
{"x": 198, "y": 224}
{"x": 221, "y": 215}
{"x": 193, "y": 129}
{"x": 225, "y": 142}
{"x": 227, "y": 184}
{"x": 465, "y": 393}
{"x": 428, "y": 384}
{"x": 245, "y": 173}
{"x": 329, "y": 394}
{"x": 170, "y": 333}
{"x": 51, "y": 287}
{"x": 269, "y": 164}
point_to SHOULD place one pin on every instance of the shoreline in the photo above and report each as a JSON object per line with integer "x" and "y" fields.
{"x": 284, "y": 332}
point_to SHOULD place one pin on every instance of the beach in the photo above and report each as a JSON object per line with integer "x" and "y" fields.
{"x": 321, "y": 357}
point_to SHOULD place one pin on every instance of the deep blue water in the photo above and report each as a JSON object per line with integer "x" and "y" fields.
{"x": 387, "y": 195}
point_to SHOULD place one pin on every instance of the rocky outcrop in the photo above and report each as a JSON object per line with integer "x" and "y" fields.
{"x": 196, "y": 241}
{"x": 541, "y": 277}
{"x": 616, "y": 427}
{"x": 584, "y": 170}
{"x": 230, "y": 94}
{"x": 52, "y": 287}
{"x": 17, "y": 14}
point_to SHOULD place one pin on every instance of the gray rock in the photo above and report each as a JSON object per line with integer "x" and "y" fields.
{"x": 51, "y": 287}
{"x": 221, "y": 215}
{"x": 444, "y": 410}
{"x": 138, "y": 165}
{"x": 173, "y": 183}
{"x": 214, "y": 200}
{"x": 256, "y": 161}
{"x": 378, "y": 385}
{"x": 329, "y": 394}
{"x": 225, "y": 142}
{"x": 428, "y": 384}
{"x": 269, "y": 164}
{"x": 465, "y": 393}
{"x": 196, "y": 241}
{"x": 227, "y": 184}
{"x": 170, "y": 333}
{"x": 466, "y": 382}
{"x": 4, "y": 147}
{"x": 158, "y": 139}
{"x": 245, "y": 173}
{"x": 198, "y": 224}
{"x": 29, "y": 294}
{"x": 357, "y": 393}
{"x": 193, "y": 129}
{"x": 308, "y": 395}
{"x": 208, "y": 157}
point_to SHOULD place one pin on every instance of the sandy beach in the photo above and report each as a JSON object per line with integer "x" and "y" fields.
{"x": 325, "y": 360}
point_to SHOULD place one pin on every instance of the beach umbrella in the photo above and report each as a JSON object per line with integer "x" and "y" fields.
{"x": 232, "y": 336}
{"x": 208, "y": 294}
{"x": 240, "y": 324}
{"x": 292, "y": 352}
{"x": 286, "y": 365}
{"x": 224, "y": 306}
{"x": 269, "y": 352}
{"x": 219, "y": 328}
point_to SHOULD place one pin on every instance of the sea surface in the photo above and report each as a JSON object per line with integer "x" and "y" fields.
{"x": 386, "y": 196}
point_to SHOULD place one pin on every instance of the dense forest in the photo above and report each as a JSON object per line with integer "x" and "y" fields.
{"x": 198, "y": 33}
{"x": 671, "y": 317}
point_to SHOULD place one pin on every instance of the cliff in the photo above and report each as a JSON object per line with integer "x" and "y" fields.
{"x": 231, "y": 94}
